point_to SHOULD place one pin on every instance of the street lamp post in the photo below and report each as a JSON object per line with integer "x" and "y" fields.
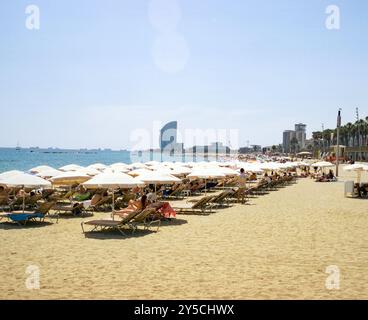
{"x": 338, "y": 141}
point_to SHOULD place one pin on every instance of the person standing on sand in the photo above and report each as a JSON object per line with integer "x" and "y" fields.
{"x": 242, "y": 183}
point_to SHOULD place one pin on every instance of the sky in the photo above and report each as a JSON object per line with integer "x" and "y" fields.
{"x": 107, "y": 74}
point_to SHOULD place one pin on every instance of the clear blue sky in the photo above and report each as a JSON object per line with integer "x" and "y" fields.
{"x": 98, "y": 70}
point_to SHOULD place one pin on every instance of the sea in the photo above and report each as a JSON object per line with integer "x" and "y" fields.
{"x": 26, "y": 158}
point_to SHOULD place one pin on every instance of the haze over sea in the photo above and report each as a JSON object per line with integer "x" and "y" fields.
{"x": 25, "y": 159}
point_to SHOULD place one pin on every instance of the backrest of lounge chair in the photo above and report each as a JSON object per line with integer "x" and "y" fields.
{"x": 103, "y": 201}
{"x": 239, "y": 191}
{"x": 4, "y": 200}
{"x": 178, "y": 190}
{"x": 140, "y": 217}
{"x": 45, "y": 207}
{"x": 130, "y": 216}
{"x": 220, "y": 196}
{"x": 202, "y": 202}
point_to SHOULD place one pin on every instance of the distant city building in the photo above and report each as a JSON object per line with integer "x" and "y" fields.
{"x": 288, "y": 138}
{"x": 300, "y": 134}
{"x": 250, "y": 149}
{"x": 213, "y": 148}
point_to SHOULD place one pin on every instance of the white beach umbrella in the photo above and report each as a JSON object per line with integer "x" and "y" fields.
{"x": 270, "y": 166}
{"x": 322, "y": 164}
{"x": 49, "y": 173}
{"x": 120, "y": 167}
{"x": 137, "y": 165}
{"x": 138, "y": 172}
{"x": 156, "y": 177}
{"x": 358, "y": 168}
{"x": 166, "y": 163}
{"x": 180, "y": 171}
{"x": 89, "y": 171}
{"x": 303, "y": 164}
{"x": 39, "y": 169}
{"x": 152, "y": 163}
{"x": 97, "y": 166}
{"x": 25, "y": 180}
{"x": 252, "y": 167}
{"x": 70, "y": 178}
{"x": 229, "y": 172}
{"x": 10, "y": 173}
{"x": 71, "y": 167}
{"x": 206, "y": 173}
{"x": 112, "y": 180}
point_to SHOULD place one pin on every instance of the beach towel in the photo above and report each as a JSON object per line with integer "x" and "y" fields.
{"x": 167, "y": 211}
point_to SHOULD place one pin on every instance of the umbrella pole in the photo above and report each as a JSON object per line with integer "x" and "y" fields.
{"x": 24, "y": 196}
{"x": 113, "y": 204}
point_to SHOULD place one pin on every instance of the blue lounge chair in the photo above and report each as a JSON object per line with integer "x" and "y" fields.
{"x": 23, "y": 218}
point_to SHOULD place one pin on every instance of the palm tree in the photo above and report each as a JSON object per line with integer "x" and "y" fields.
{"x": 294, "y": 144}
{"x": 348, "y": 127}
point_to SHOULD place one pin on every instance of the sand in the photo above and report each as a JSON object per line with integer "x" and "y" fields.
{"x": 278, "y": 246}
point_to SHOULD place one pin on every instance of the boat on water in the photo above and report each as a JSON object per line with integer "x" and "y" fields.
{"x": 17, "y": 147}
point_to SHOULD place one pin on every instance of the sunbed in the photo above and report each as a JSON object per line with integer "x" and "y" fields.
{"x": 200, "y": 206}
{"x": 177, "y": 193}
{"x": 143, "y": 219}
{"x": 22, "y": 218}
{"x": 69, "y": 208}
{"x": 110, "y": 224}
{"x": 222, "y": 198}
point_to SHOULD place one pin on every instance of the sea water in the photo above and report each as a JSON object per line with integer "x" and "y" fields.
{"x": 24, "y": 159}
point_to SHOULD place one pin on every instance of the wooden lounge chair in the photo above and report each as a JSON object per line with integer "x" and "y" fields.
{"x": 200, "y": 206}
{"x": 103, "y": 225}
{"x": 177, "y": 193}
{"x": 68, "y": 208}
{"x": 102, "y": 204}
{"x": 222, "y": 198}
{"x": 143, "y": 218}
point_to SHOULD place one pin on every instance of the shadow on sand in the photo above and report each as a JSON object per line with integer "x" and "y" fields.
{"x": 114, "y": 234}
{"x": 8, "y": 225}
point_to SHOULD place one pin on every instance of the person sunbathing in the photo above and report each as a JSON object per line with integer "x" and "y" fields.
{"x": 133, "y": 205}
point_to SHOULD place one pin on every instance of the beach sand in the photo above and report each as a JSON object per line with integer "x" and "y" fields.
{"x": 278, "y": 246}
